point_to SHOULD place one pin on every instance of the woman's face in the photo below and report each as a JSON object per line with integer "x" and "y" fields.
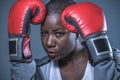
{"x": 56, "y": 40}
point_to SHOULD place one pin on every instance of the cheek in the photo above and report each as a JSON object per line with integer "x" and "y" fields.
{"x": 43, "y": 42}
{"x": 63, "y": 46}
{"x": 66, "y": 46}
{"x": 69, "y": 45}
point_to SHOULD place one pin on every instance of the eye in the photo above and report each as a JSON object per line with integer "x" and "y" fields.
{"x": 59, "y": 34}
{"x": 44, "y": 33}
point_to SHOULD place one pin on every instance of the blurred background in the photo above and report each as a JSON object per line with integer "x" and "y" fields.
{"x": 112, "y": 13}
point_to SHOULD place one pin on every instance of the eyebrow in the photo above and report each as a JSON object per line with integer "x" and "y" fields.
{"x": 54, "y": 30}
{"x": 57, "y": 29}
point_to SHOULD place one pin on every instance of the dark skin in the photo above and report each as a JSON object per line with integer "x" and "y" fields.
{"x": 64, "y": 47}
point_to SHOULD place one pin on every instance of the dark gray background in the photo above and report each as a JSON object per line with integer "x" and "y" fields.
{"x": 110, "y": 7}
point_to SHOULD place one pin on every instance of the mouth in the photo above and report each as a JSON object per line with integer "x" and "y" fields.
{"x": 51, "y": 54}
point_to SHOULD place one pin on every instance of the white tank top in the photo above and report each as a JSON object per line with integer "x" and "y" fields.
{"x": 51, "y": 71}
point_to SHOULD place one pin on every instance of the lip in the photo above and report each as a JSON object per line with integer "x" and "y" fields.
{"x": 51, "y": 54}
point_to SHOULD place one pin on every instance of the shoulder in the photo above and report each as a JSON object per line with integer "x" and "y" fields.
{"x": 42, "y": 61}
{"x": 115, "y": 50}
{"x": 116, "y": 54}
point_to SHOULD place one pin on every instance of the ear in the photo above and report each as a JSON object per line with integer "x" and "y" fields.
{"x": 77, "y": 35}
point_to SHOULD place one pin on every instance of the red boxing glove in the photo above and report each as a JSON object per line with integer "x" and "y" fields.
{"x": 85, "y": 14}
{"x": 89, "y": 21}
{"x": 22, "y": 13}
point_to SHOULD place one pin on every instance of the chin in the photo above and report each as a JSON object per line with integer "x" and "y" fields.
{"x": 56, "y": 59}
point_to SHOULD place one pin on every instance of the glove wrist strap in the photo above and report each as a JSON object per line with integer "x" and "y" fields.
{"x": 98, "y": 48}
{"x": 16, "y": 50}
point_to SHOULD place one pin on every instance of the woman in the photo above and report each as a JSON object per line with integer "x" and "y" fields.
{"x": 63, "y": 47}
{"x": 67, "y": 59}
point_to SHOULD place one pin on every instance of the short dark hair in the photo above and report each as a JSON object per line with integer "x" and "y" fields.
{"x": 57, "y": 6}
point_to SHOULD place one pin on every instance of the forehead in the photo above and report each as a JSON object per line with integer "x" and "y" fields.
{"x": 53, "y": 18}
{"x": 52, "y": 21}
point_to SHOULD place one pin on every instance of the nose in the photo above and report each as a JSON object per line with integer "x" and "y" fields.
{"x": 50, "y": 41}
